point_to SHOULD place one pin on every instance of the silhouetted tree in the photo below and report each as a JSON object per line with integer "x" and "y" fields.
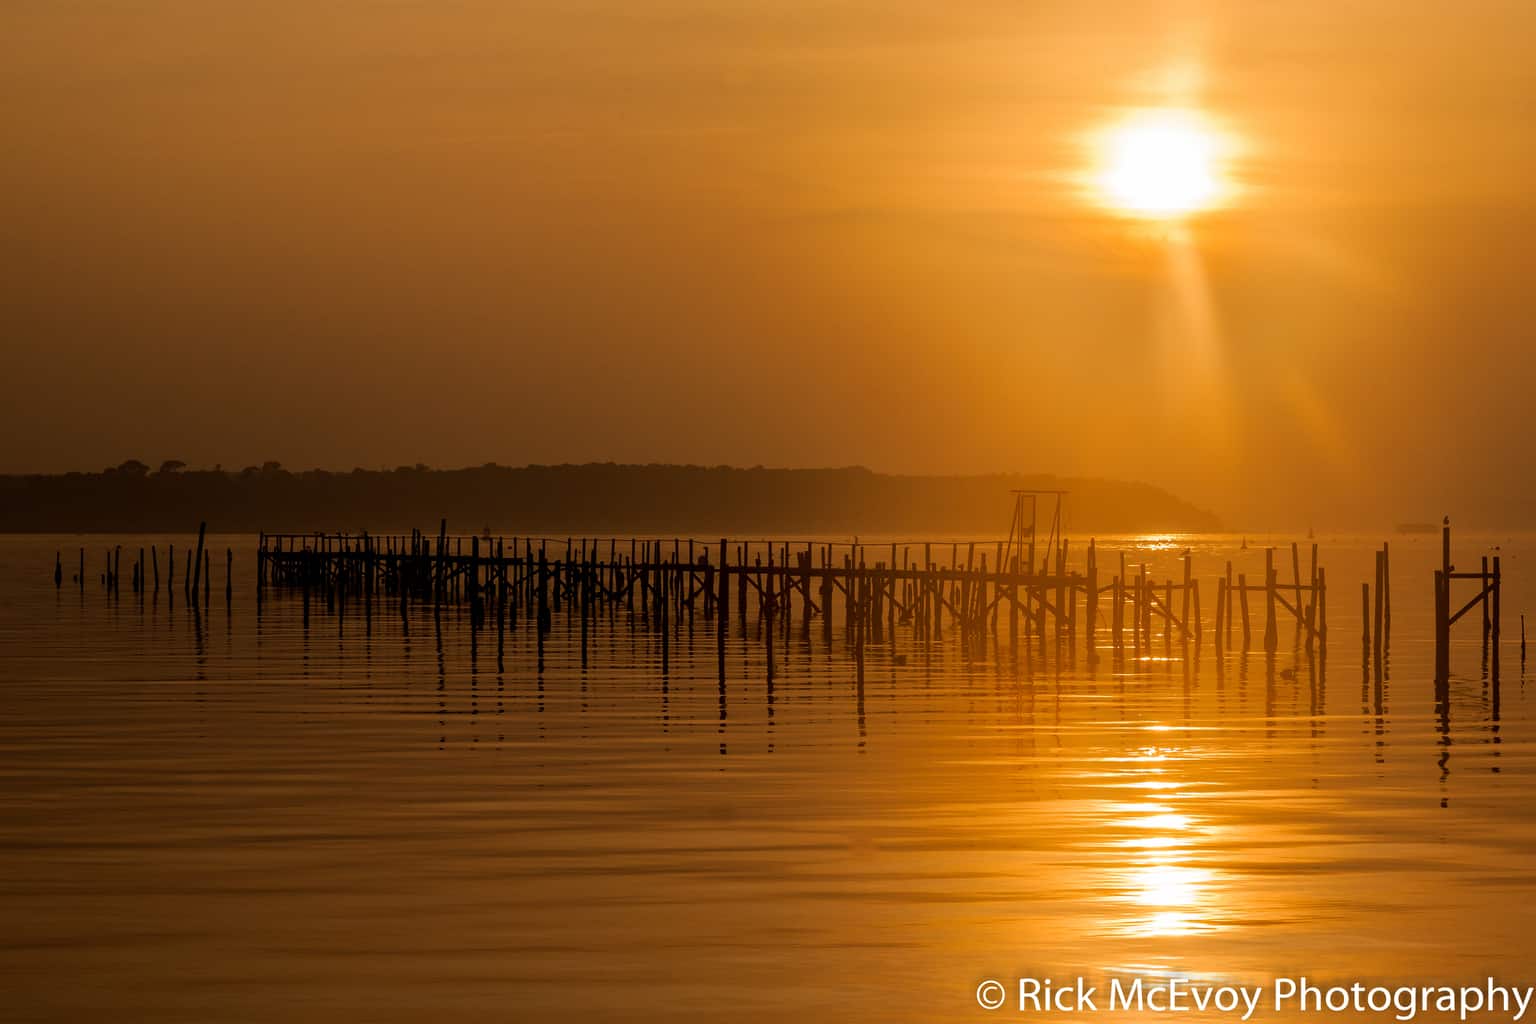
{"x": 171, "y": 466}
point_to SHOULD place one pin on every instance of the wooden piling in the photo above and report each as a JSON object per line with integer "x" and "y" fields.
{"x": 583, "y": 604}
{"x": 1198, "y": 628}
{"x": 438, "y": 580}
{"x": 1443, "y": 622}
{"x": 1483, "y": 598}
{"x": 1221, "y": 599}
{"x": 767, "y": 614}
{"x": 197, "y": 561}
{"x": 1365, "y": 616}
{"x": 1187, "y": 594}
{"x": 1242, "y": 596}
{"x": 1322, "y": 608}
{"x": 723, "y": 611}
{"x": 1496, "y": 586}
{"x": 1091, "y": 594}
{"x": 1296, "y": 578}
{"x": 1271, "y": 626}
{"x": 1377, "y": 647}
{"x": 1386, "y": 590}
{"x": 1117, "y": 613}
{"x": 662, "y": 612}
{"x": 1227, "y": 610}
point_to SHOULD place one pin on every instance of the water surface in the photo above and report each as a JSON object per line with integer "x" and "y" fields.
{"x": 226, "y": 816}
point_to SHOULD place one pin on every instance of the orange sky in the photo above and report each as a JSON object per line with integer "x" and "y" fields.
{"x": 372, "y": 233}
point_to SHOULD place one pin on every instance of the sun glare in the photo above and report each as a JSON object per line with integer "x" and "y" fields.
{"x": 1161, "y": 164}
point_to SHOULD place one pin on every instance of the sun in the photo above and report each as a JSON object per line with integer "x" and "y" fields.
{"x": 1161, "y": 164}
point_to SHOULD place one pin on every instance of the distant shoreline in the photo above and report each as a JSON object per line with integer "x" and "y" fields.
{"x": 593, "y": 497}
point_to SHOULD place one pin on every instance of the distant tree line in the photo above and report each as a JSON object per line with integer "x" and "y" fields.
{"x": 595, "y": 498}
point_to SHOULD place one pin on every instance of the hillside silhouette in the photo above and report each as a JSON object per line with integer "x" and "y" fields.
{"x": 591, "y": 498}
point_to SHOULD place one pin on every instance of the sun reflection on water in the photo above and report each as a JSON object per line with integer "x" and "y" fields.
{"x": 1162, "y": 888}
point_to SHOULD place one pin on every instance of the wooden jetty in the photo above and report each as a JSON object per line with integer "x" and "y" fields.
{"x": 1033, "y": 585}
{"x": 868, "y": 594}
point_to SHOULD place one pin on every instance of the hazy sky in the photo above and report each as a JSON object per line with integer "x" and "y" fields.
{"x": 776, "y": 231}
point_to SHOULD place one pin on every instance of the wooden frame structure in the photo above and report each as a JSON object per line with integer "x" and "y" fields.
{"x": 1489, "y": 580}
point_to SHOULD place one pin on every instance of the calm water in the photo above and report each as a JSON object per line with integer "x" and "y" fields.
{"x": 233, "y": 818}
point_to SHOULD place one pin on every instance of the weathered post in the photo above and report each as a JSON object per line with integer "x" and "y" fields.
{"x": 501, "y": 605}
{"x": 1271, "y": 627}
{"x": 1227, "y": 611}
{"x": 1091, "y": 594}
{"x": 1221, "y": 600}
{"x": 693, "y": 566}
{"x": 1188, "y": 594}
{"x": 661, "y": 612}
{"x": 1168, "y": 613}
{"x": 1148, "y": 597}
{"x": 1194, "y": 630}
{"x": 857, "y": 586}
{"x": 723, "y": 611}
{"x": 1242, "y": 597}
{"x": 1013, "y": 602}
{"x": 1136, "y": 584}
{"x": 1296, "y": 580}
{"x": 1378, "y": 640}
{"x": 472, "y": 582}
{"x": 584, "y": 605}
{"x": 1365, "y": 617}
{"x": 1322, "y": 609}
{"x": 849, "y": 598}
{"x": 197, "y": 560}
{"x": 741, "y": 587}
{"x": 1117, "y": 610}
{"x": 768, "y": 599}
{"x": 1497, "y": 587}
{"x": 1061, "y": 586}
{"x": 930, "y": 610}
{"x": 1442, "y": 623}
{"x": 1386, "y": 589}
{"x": 441, "y": 568}
{"x": 542, "y": 591}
